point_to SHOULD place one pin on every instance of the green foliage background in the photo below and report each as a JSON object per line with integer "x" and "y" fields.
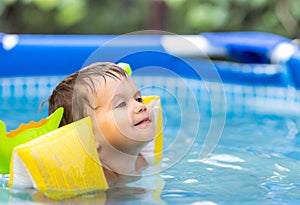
{"x": 123, "y": 16}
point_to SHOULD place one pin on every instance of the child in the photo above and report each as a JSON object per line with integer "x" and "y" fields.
{"x": 122, "y": 123}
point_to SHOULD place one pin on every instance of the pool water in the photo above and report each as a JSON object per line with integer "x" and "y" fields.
{"x": 256, "y": 161}
{"x": 252, "y": 133}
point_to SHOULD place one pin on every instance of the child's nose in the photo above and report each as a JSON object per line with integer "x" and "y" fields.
{"x": 140, "y": 107}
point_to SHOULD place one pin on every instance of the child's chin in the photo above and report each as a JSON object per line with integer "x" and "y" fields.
{"x": 150, "y": 136}
{"x": 147, "y": 136}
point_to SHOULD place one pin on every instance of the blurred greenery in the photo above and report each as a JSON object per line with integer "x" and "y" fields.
{"x": 123, "y": 16}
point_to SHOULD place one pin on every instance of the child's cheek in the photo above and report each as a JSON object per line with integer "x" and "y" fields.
{"x": 121, "y": 119}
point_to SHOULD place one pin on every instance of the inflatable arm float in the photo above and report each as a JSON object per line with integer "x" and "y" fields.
{"x": 24, "y": 133}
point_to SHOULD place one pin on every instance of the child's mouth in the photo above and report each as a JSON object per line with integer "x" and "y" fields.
{"x": 144, "y": 121}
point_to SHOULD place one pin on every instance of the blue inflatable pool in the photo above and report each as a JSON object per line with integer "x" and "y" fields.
{"x": 242, "y": 116}
{"x": 251, "y": 57}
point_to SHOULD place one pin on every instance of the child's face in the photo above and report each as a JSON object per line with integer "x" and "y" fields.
{"x": 125, "y": 122}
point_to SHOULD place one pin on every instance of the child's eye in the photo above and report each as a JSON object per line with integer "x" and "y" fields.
{"x": 140, "y": 100}
{"x": 122, "y": 104}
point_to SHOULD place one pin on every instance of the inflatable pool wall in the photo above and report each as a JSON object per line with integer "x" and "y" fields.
{"x": 254, "y": 57}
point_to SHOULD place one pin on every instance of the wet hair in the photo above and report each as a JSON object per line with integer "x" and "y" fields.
{"x": 76, "y": 92}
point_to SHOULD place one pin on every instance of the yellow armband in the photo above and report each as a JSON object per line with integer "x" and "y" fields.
{"x": 153, "y": 151}
{"x": 24, "y": 133}
{"x": 61, "y": 164}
